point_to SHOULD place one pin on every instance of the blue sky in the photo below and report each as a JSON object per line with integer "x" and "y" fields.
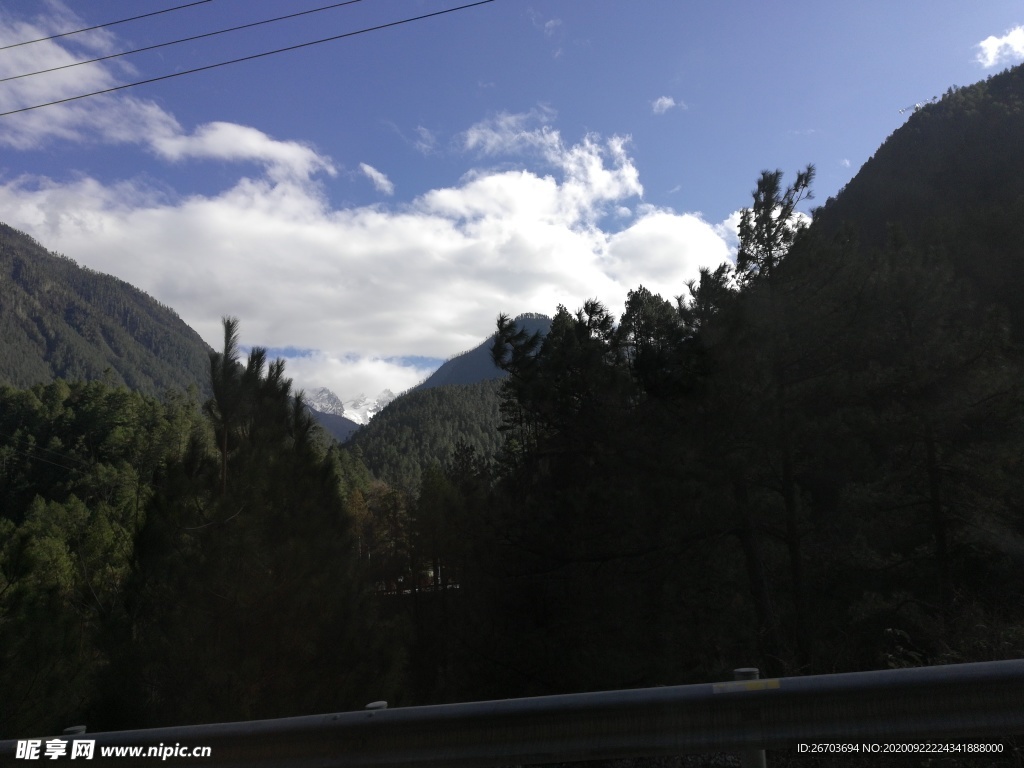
{"x": 371, "y": 204}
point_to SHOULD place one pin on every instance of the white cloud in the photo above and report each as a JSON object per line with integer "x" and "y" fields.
{"x": 380, "y": 181}
{"x": 229, "y": 141}
{"x": 547, "y": 27}
{"x": 119, "y": 118}
{"x": 588, "y": 183}
{"x": 845, "y": 162}
{"x": 663, "y": 104}
{"x": 513, "y": 133}
{"x": 353, "y": 375}
{"x": 101, "y": 118}
{"x": 366, "y": 285}
{"x": 523, "y": 230}
{"x": 426, "y": 141}
{"x": 1001, "y": 50}
{"x": 729, "y": 230}
{"x": 801, "y": 219}
{"x": 660, "y": 247}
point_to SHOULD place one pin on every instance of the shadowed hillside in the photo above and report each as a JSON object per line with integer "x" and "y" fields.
{"x": 476, "y": 364}
{"x": 60, "y": 320}
{"x": 424, "y": 426}
{"x": 458, "y": 402}
{"x": 950, "y": 182}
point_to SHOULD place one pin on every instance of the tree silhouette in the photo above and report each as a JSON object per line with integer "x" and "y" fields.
{"x": 767, "y": 230}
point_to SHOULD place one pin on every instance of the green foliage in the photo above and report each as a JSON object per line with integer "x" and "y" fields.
{"x": 59, "y": 320}
{"x": 823, "y": 451}
{"x": 768, "y": 229}
{"x": 477, "y": 365}
{"x": 259, "y": 549}
{"x": 459, "y": 403}
{"x": 422, "y": 427}
{"x": 79, "y": 467}
{"x": 133, "y": 548}
{"x": 950, "y": 178}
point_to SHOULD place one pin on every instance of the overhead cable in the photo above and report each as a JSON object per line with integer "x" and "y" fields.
{"x": 40, "y": 458}
{"x": 37, "y": 448}
{"x": 247, "y": 58}
{"x": 100, "y": 26}
{"x": 182, "y": 40}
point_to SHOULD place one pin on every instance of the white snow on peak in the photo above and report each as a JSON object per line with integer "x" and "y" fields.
{"x": 362, "y": 408}
{"x": 359, "y": 409}
{"x": 323, "y": 400}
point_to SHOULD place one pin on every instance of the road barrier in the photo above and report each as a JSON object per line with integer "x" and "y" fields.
{"x": 958, "y": 704}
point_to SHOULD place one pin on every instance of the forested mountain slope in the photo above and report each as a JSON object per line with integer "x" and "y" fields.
{"x": 421, "y": 427}
{"x": 139, "y": 537}
{"x": 476, "y": 364}
{"x": 811, "y": 460}
{"x": 338, "y": 427}
{"x": 459, "y": 402}
{"x": 59, "y": 320}
{"x": 950, "y": 181}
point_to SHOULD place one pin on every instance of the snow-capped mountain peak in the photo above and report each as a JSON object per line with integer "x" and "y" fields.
{"x": 361, "y": 408}
{"x": 323, "y": 400}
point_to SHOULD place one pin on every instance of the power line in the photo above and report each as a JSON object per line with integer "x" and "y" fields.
{"x": 182, "y": 40}
{"x": 33, "y": 457}
{"x": 27, "y": 453}
{"x": 58, "y": 454}
{"x": 100, "y": 26}
{"x": 247, "y": 58}
{"x": 40, "y": 458}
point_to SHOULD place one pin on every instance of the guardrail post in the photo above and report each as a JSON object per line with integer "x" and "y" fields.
{"x": 750, "y": 758}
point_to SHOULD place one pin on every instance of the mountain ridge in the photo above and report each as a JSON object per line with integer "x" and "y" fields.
{"x": 458, "y": 403}
{"x": 476, "y": 365}
{"x": 949, "y": 182}
{"x": 62, "y": 320}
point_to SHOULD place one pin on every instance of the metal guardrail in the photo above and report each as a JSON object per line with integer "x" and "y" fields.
{"x": 944, "y": 704}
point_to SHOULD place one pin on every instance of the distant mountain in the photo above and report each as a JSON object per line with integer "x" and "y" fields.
{"x": 324, "y": 401}
{"x": 476, "y": 364}
{"x": 329, "y": 412}
{"x": 361, "y": 409}
{"x": 342, "y": 419}
{"x": 336, "y": 425}
{"x": 459, "y": 402}
{"x": 962, "y": 153}
{"x": 60, "y": 320}
{"x": 424, "y": 425}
